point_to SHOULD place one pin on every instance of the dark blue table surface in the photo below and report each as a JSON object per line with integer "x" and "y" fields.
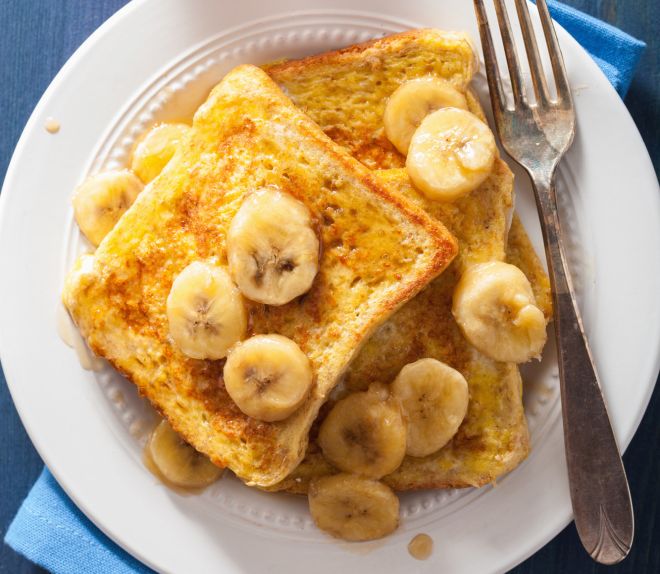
{"x": 37, "y": 37}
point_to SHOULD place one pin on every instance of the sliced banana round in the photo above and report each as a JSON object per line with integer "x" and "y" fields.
{"x": 102, "y": 199}
{"x": 451, "y": 153}
{"x": 412, "y": 101}
{"x": 177, "y": 461}
{"x": 156, "y": 149}
{"x": 365, "y": 433}
{"x": 205, "y": 311}
{"x": 435, "y": 399}
{"x": 495, "y": 309}
{"x": 268, "y": 377}
{"x": 353, "y": 508}
{"x": 272, "y": 249}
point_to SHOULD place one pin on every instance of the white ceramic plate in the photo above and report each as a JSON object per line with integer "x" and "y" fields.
{"x": 155, "y": 60}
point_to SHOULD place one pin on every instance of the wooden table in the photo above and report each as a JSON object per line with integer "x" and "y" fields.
{"x": 36, "y": 38}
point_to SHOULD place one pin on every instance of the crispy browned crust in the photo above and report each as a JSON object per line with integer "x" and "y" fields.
{"x": 378, "y": 251}
{"x": 441, "y": 44}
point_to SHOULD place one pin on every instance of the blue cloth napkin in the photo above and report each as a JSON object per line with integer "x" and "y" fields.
{"x": 616, "y": 53}
{"x": 51, "y": 531}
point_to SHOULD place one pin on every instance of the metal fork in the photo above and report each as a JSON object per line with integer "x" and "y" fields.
{"x": 536, "y": 134}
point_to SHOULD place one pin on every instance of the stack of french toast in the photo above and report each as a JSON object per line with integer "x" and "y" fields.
{"x": 320, "y": 284}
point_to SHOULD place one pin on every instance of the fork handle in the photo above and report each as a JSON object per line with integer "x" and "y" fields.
{"x": 599, "y": 488}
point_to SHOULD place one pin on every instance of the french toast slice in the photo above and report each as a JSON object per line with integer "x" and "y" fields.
{"x": 494, "y": 438}
{"x": 378, "y": 251}
{"x": 345, "y": 91}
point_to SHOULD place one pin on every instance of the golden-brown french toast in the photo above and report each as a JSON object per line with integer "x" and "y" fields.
{"x": 493, "y": 437}
{"x": 378, "y": 251}
{"x": 346, "y": 92}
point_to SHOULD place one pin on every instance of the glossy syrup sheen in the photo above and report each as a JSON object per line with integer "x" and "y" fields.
{"x": 421, "y": 547}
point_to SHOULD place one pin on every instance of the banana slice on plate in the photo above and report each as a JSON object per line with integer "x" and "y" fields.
{"x": 365, "y": 433}
{"x": 495, "y": 309}
{"x": 353, "y": 508}
{"x": 272, "y": 248}
{"x": 156, "y": 149}
{"x": 205, "y": 311}
{"x": 435, "y": 400}
{"x": 102, "y": 199}
{"x": 268, "y": 377}
{"x": 451, "y": 153}
{"x": 177, "y": 461}
{"x": 412, "y": 101}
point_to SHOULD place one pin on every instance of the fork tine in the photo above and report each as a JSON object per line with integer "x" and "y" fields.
{"x": 558, "y": 68}
{"x": 517, "y": 86}
{"x": 532, "y": 49}
{"x": 497, "y": 97}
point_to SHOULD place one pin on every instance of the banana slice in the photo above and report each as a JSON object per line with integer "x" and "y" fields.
{"x": 365, "y": 433}
{"x": 451, "y": 153}
{"x": 495, "y": 309}
{"x": 268, "y": 377}
{"x": 272, "y": 249}
{"x": 102, "y": 199}
{"x": 205, "y": 311}
{"x": 156, "y": 149}
{"x": 412, "y": 102}
{"x": 353, "y": 508}
{"x": 177, "y": 461}
{"x": 435, "y": 400}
